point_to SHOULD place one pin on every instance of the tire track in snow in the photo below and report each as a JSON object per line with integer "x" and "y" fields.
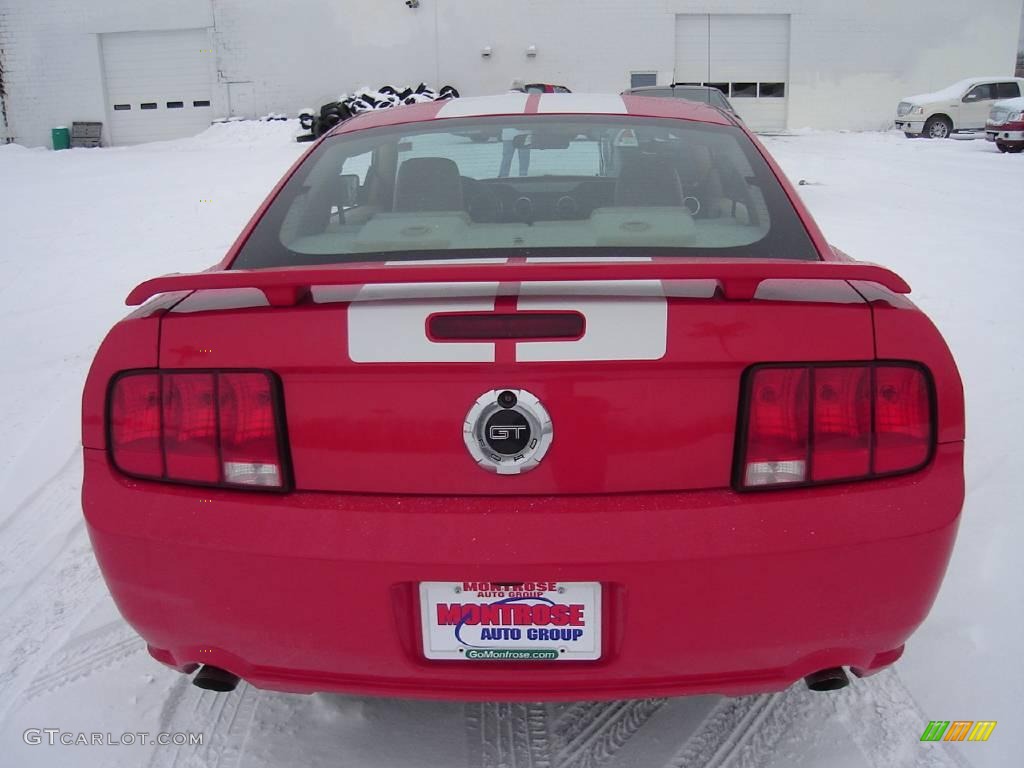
{"x": 725, "y": 732}
{"x": 591, "y": 737}
{"x": 580, "y": 735}
{"x": 878, "y": 714}
{"x": 53, "y": 506}
{"x": 85, "y": 654}
{"x": 224, "y": 720}
{"x": 508, "y": 735}
{"x": 57, "y": 599}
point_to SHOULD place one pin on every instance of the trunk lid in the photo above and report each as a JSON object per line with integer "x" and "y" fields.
{"x": 645, "y": 400}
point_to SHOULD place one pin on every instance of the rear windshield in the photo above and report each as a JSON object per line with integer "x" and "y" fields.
{"x": 540, "y": 185}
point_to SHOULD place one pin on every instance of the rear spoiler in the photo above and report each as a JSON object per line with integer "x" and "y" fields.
{"x": 287, "y": 286}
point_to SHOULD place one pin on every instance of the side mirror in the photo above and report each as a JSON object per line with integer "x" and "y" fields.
{"x": 972, "y": 96}
{"x": 348, "y": 185}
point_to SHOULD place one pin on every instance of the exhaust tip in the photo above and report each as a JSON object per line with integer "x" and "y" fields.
{"x": 827, "y": 679}
{"x": 215, "y": 679}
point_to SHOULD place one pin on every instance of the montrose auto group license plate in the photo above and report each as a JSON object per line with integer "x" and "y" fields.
{"x": 529, "y": 621}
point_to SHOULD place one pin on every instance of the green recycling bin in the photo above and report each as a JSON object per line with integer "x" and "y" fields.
{"x": 61, "y": 138}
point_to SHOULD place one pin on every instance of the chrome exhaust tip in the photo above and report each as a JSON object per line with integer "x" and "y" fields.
{"x": 215, "y": 679}
{"x": 827, "y": 679}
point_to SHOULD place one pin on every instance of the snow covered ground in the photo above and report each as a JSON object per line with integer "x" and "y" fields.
{"x": 80, "y": 228}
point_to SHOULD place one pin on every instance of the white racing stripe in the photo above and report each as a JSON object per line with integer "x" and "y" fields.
{"x": 382, "y": 329}
{"x": 584, "y": 259}
{"x": 625, "y": 320}
{"x": 501, "y": 104}
{"x": 408, "y": 263}
{"x": 617, "y": 327}
{"x": 582, "y": 103}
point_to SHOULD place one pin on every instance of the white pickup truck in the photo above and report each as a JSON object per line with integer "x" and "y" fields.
{"x": 963, "y": 106}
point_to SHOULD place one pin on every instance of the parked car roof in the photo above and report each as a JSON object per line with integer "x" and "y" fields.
{"x": 704, "y": 93}
{"x": 953, "y": 91}
{"x": 547, "y": 103}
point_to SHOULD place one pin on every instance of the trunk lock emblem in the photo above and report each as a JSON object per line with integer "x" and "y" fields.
{"x": 507, "y": 431}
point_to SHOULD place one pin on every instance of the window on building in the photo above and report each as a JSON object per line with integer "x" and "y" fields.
{"x": 744, "y": 90}
{"x": 148, "y": 105}
{"x": 1007, "y": 90}
{"x": 640, "y": 79}
{"x": 201, "y": 103}
{"x": 175, "y": 104}
{"x": 771, "y": 90}
{"x": 122, "y": 107}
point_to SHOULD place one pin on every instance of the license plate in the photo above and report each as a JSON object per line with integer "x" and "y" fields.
{"x": 530, "y": 621}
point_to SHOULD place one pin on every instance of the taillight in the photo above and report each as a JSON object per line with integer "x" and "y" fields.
{"x": 820, "y": 423}
{"x": 203, "y": 427}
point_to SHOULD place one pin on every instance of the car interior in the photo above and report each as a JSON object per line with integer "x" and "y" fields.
{"x": 586, "y": 186}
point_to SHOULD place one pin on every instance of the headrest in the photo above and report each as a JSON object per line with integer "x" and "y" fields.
{"x": 428, "y": 184}
{"x": 648, "y": 181}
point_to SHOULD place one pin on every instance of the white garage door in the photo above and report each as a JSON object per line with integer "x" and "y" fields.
{"x": 746, "y": 55}
{"x": 158, "y": 84}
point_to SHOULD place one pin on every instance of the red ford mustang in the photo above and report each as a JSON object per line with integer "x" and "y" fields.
{"x": 623, "y": 426}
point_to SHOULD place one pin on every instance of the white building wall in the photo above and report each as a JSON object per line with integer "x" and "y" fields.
{"x": 850, "y": 62}
{"x": 51, "y": 55}
{"x": 850, "y": 66}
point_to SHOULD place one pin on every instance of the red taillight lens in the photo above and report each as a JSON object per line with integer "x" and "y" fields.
{"x": 823, "y": 423}
{"x": 190, "y": 427}
{"x": 135, "y": 424}
{"x": 777, "y": 439}
{"x": 209, "y": 428}
{"x": 903, "y": 428}
{"x": 248, "y": 430}
{"x": 842, "y": 423}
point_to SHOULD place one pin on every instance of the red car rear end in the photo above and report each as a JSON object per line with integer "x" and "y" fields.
{"x": 624, "y": 427}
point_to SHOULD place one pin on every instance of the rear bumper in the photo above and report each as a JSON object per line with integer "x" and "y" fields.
{"x": 703, "y": 591}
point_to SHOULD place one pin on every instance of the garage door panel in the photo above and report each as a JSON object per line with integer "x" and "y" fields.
{"x": 743, "y": 50}
{"x": 749, "y": 48}
{"x": 692, "y": 48}
{"x": 157, "y": 68}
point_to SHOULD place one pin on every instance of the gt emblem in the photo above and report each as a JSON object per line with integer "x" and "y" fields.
{"x": 507, "y": 431}
{"x": 504, "y": 433}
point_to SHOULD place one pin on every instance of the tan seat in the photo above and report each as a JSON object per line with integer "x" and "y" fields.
{"x": 427, "y": 184}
